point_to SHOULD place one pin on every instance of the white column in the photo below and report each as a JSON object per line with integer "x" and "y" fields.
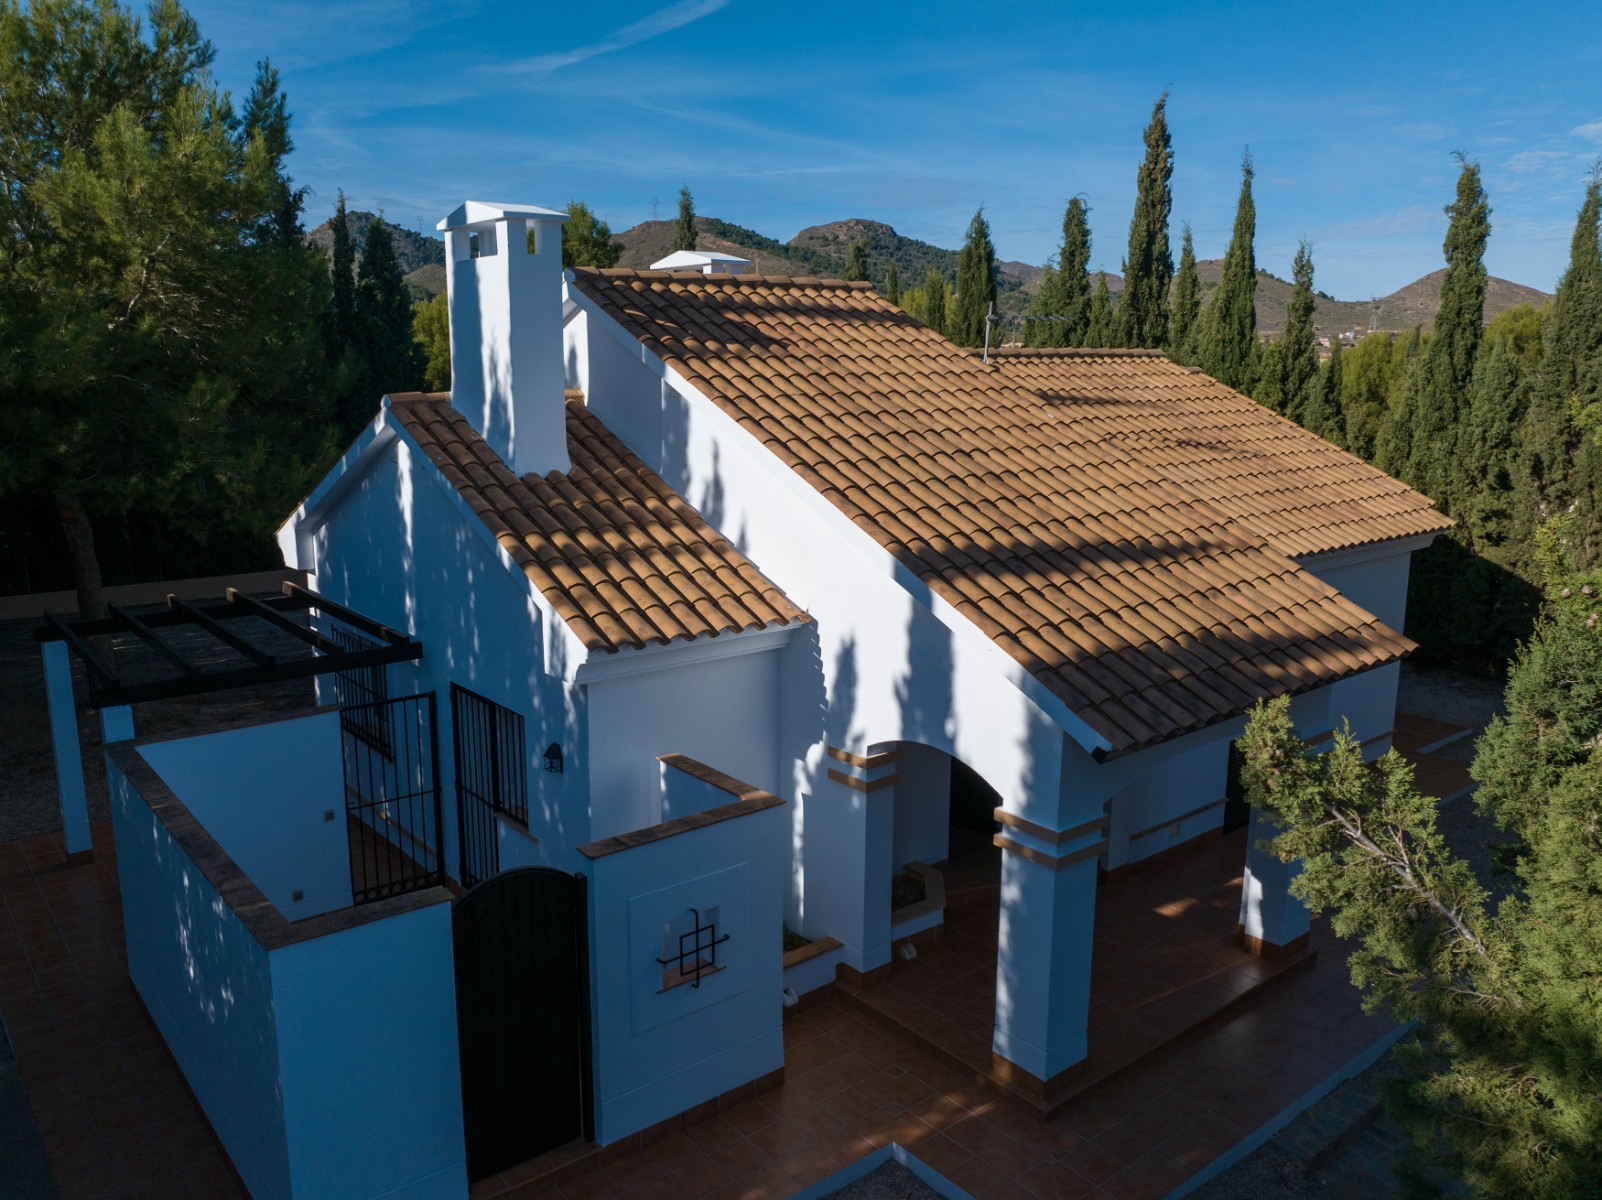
{"x": 848, "y": 836}
{"x": 69, "y": 757}
{"x": 1269, "y": 915}
{"x": 116, "y": 724}
{"x": 1048, "y": 918}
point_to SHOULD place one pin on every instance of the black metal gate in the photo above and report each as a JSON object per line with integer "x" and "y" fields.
{"x": 521, "y": 943}
{"x": 392, "y": 812}
{"x": 491, "y": 777}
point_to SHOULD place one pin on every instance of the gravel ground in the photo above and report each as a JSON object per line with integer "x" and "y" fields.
{"x": 889, "y": 1182}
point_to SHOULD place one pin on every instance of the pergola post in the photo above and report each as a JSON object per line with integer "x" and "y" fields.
{"x": 69, "y": 757}
{"x": 116, "y": 724}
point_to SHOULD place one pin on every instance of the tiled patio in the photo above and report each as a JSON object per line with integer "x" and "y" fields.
{"x": 1165, "y": 960}
{"x": 116, "y": 1120}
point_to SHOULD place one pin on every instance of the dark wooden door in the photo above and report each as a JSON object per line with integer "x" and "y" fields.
{"x": 522, "y": 1011}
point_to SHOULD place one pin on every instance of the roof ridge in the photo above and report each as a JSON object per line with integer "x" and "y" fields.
{"x": 745, "y": 277}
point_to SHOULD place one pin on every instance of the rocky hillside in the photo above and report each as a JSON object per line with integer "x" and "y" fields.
{"x": 422, "y": 259}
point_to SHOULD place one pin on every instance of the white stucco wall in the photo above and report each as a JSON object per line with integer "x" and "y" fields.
{"x": 372, "y": 1086}
{"x": 262, "y": 792}
{"x": 659, "y": 1052}
{"x": 1377, "y": 583}
{"x": 398, "y": 549}
{"x": 922, "y": 806}
{"x": 207, "y": 986}
{"x": 723, "y": 712}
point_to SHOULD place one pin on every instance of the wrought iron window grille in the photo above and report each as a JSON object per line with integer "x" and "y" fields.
{"x": 697, "y": 956}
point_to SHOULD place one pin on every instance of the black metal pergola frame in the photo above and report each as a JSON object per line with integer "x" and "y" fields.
{"x": 108, "y": 690}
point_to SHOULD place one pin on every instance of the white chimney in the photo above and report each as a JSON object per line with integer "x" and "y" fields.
{"x": 505, "y": 300}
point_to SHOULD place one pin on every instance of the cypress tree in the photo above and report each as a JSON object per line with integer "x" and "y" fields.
{"x": 1045, "y": 304}
{"x": 1571, "y": 373}
{"x": 1227, "y": 345}
{"x": 1149, "y": 266}
{"x": 1099, "y": 328}
{"x": 684, "y": 230}
{"x": 856, "y": 262}
{"x": 1447, "y": 368}
{"x": 342, "y": 312}
{"x": 892, "y": 285}
{"x": 393, "y": 361}
{"x": 976, "y": 284}
{"x": 1187, "y": 305}
{"x": 934, "y": 301}
{"x": 1298, "y": 355}
{"x": 1065, "y": 291}
{"x": 1486, "y": 446}
{"x": 1325, "y": 416}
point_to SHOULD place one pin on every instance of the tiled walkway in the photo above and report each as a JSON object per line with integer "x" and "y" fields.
{"x": 116, "y": 1121}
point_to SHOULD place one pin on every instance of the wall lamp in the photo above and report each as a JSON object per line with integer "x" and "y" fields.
{"x": 553, "y": 758}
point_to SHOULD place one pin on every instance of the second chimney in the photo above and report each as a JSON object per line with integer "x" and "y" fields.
{"x": 504, "y": 289}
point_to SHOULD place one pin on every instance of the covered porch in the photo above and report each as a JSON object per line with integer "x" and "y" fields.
{"x": 1167, "y": 960}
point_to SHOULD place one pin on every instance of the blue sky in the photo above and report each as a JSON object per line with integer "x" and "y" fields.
{"x": 780, "y": 116}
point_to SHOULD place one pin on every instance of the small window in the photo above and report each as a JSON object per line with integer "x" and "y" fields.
{"x": 690, "y": 948}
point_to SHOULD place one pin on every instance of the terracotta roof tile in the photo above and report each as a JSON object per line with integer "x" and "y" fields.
{"x": 620, "y": 558}
{"x": 1126, "y": 537}
{"x": 1296, "y": 492}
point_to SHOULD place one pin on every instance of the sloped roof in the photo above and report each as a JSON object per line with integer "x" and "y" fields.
{"x": 619, "y": 556}
{"x": 1144, "y": 608}
{"x": 1293, "y": 490}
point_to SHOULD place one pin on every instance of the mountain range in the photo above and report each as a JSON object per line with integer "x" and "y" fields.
{"x": 821, "y": 250}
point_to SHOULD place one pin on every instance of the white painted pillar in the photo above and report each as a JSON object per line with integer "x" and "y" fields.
{"x": 1270, "y": 916}
{"x": 1048, "y": 919}
{"x": 69, "y": 757}
{"x": 848, "y": 837}
{"x": 116, "y": 724}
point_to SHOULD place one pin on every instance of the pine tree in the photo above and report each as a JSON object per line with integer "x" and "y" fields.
{"x": 1099, "y": 328}
{"x": 586, "y": 239}
{"x": 976, "y": 284}
{"x": 1149, "y": 266}
{"x": 1182, "y": 327}
{"x": 1571, "y": 374}
{"x": 892, "y": 285}
{"x": 856, "y": 261}
{"x": 1298, "y": 353}
{"x": 431, "y": 330}
{"x": 684, "y": 230}
{"x": 1426, "y": 446}
{"x": 1227, "y": 344}
{"x": 1501, "y": 1075}
{"x": 392, "y": 361}
{"x": 342, "y": 312}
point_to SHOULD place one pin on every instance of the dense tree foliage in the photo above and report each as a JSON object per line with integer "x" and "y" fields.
{"x": 431, "y": 330}
{"x": 930, "y": 303}
{"x": 1226, "y": 346}
{"x": 892, "y": 285}
{"x": 1298, "y": 351}
{"x": 856, "y": 261}
{"x": 1185, "y": 318}
{"x": 139, "y": 210}
{"x": 1501, "y": 976}
{"x": 684, "y": 227}
{"x": 1064, "y": 295}
{"x": 976, "y": 284}
{"x": 1148, "y": 266}
{"x": 391, "y": 360}
{"x": 341, "y": 321}
{"x": 1099, "y": 328}
{"x": 586, "y": 239}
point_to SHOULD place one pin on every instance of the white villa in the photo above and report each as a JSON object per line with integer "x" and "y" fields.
{"x": 715, "y": 576}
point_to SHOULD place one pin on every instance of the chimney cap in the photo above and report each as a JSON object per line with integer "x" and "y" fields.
{"x": 708, "y": 262}
{"x": 475, "y": 213}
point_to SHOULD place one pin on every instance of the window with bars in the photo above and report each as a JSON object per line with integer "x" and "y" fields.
{"x": 690, "y": 949}
{"x": 361, "y": 693}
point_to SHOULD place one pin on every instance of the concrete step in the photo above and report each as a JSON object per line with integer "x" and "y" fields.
{"x": 1333, "y": 1123}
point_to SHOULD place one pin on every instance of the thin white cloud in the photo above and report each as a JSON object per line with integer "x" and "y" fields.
{"x": 674, "y": 16}
{"x": 1592, "y": 130}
